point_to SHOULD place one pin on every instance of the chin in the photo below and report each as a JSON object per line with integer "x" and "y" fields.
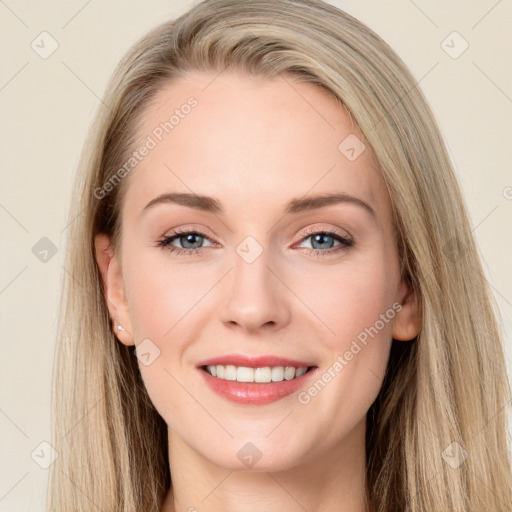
{"x": 254, "y": 457}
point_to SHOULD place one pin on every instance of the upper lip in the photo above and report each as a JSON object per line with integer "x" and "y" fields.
{"x": 253, "y": 361}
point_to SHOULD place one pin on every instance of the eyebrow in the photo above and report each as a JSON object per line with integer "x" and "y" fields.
{"x": 212, "y": 205}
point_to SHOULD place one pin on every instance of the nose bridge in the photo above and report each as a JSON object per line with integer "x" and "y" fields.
{"x": 254, "y": 297}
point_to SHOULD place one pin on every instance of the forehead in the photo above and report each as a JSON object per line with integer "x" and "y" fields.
{"x": 249, "y": 137}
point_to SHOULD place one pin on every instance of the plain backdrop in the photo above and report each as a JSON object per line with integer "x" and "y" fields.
{"x": 47, "y": 103}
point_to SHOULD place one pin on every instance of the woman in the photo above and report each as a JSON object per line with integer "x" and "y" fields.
{"x": 270, "y": 371}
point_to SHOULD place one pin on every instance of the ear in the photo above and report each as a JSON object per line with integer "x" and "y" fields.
{"x": 113, "y": 288}
{"x": 407, "y": 322}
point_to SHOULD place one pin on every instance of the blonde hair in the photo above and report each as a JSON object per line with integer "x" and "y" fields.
{"x": 448, "y": 385}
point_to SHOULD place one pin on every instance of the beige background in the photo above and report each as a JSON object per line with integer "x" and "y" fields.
{"x": 47, "y": 105}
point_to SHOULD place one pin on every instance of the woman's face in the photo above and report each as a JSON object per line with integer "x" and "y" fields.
{"x": 264, "y": 272}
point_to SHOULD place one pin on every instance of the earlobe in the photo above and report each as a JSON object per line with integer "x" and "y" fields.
{"x": 113, "y": 289}
{"x": 407, "y": 322}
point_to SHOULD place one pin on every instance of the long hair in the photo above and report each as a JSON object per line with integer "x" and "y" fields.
{"x": 437, "y": 432}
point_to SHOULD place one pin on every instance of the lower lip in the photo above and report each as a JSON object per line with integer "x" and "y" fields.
{"x": 255, "y": 393}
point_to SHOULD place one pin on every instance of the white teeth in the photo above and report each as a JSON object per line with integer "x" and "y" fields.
{"x": 246, "y": 374}
{"x": 300, "y": 371}
{"x": 289, "y": 373}
{"x": 261, "y": 374}
{"x": 230, "y": 373}
{"x": 277, "y": 374}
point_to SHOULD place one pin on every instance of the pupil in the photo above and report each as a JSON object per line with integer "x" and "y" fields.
{"x": 189, "y": 238}
{"x": 321, "y": 237}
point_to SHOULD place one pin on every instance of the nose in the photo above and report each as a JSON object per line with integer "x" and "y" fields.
{"x": 255, "y": 297}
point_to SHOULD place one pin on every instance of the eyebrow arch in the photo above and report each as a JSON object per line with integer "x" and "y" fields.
{"x": 210, "y": 204}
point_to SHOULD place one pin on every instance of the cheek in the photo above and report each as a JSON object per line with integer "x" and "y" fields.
{"x": 161, "y": 301}
{"x": 166, "y": 302}
{"x": 349, "y": 298}
{"x": 162, "y": 295}
{"x": 354, "y": 305}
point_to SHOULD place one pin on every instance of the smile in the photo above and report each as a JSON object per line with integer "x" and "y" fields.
{"x": 261, "y": 375}
{"x": 256, "y": 379}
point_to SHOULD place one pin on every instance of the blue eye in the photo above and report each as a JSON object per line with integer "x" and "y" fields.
{"x": 191, "y": 239}
{"x": 185, "y": 237}
{"x": 325, "y": 238}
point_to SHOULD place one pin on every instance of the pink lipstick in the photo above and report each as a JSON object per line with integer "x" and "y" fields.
{"x": 255, "y": 380}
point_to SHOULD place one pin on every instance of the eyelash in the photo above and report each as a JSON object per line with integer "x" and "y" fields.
{"x": 345, "y": 242}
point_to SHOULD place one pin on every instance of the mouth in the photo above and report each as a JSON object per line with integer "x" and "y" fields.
{"x": 255, "y": 380}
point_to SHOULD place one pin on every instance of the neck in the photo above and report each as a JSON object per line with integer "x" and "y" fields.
{"x": 332, "y": 481}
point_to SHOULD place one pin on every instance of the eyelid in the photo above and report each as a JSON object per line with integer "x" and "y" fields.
{"x": 319, "y": 229}
{"x": 201, "y": 230}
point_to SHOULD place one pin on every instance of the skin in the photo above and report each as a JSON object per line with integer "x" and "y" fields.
{"x": 255, "y": 144}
